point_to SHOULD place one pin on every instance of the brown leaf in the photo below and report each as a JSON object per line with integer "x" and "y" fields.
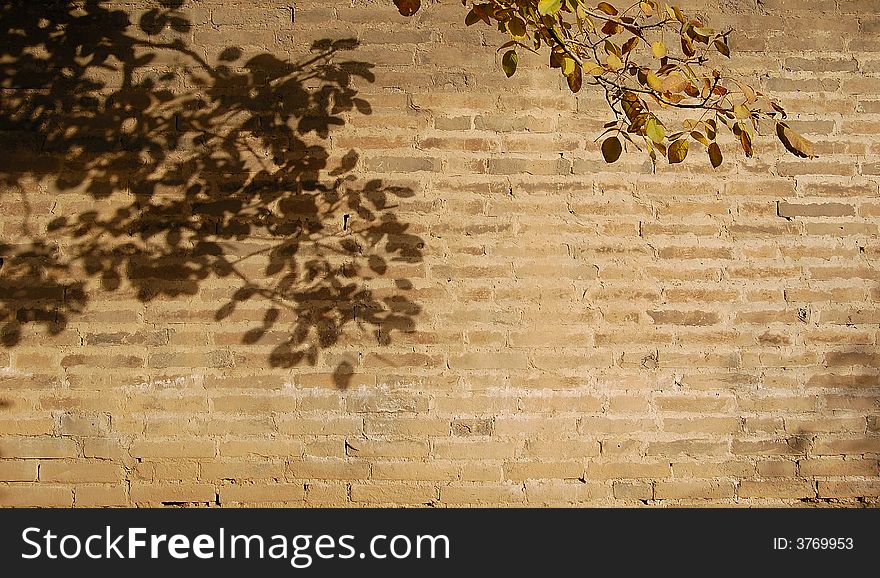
{"x": 715, "y": 156}
{"x": 675, "y": 83}
{"x": 629, "y": 45}
{"x": 408, "y": 7}
{"x": 607, "y": 8}
{"x": 611, "y": 149}
{"x": 746, "y": 142}
{"x": 575, "y": 79}
{"x": 795, "y": 143}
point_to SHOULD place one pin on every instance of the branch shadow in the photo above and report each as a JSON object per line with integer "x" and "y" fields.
{"x": 199, "y": 172}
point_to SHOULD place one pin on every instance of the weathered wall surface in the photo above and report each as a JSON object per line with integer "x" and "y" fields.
{"x": 253, "y": 269}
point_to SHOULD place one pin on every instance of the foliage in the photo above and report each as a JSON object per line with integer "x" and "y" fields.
{"x": 651, "y": 60}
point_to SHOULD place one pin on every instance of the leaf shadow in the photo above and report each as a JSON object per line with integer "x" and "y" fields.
{"x": 203, "y": 178}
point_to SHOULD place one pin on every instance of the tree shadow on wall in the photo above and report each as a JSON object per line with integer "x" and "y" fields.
{"x": 197, "y": 172}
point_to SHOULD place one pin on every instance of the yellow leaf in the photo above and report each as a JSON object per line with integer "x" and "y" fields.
{"x": 742, "y": 111}
{"x": 677, "y": 151}
{"x": 550, "y": 7}
{"x": 593, "y": 68}
{"x": 659, "y": 49}
{"x": 655, "y": 82}
{"x": 654, "y": 130}
{"x": 613, "y": 62}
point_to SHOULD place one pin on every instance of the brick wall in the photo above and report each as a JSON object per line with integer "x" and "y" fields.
{"x": 247, "y": 260}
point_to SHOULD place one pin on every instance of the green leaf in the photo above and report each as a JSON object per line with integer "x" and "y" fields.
{"x": 508, "y": 62}
{"x": 715, "y": 156}
{"x": 567, "y": 66}
{"x": 550, "y": 7}
{"x": 677, "y": 151}
{"x": 611, "y": 149}
{"x": 654, "y": 129}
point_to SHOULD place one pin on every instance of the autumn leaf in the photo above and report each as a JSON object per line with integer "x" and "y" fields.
{"x": 607, "y": 8}
{"x": 611, "y": 149}
{"x": 715, "y": 156}
{"x": 659, "y": 49}
{"x": 408, "y": 7}
{"x": 549, "y": 7}
{"x": 795, "y": 143}
{"x": 677, "y": 151}
{"x": 575, "y": 79}
{"x": 654, "y": 130}
{"x": 509, "y": 62}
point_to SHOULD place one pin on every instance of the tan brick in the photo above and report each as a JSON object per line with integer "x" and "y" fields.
{"x": 849, "y": 489}
{"x": 689, "y": 489}
{"x": 633, "y": 490}
{"x": 38, "y": 447}
{"x": 328, "y": 469}
{"x": 174, "y": 448}
{"x": 77, "y": 472}
{"x": 18, "y": 470}
{"x": 477, "y": 495}
{"x": 156, "y": 494}
{"x": 393, "y": 494}
{"x": 35, "y": 496}
{"x": 101, "y": 496}
{"x": 262, "y": 493}
{"x": 776, "y": 488}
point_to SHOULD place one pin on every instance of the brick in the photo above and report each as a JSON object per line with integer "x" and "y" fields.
{"x": 815, "y": 210}
{"x": 776, "y": 488}
{"x": 174, "y": 448}
{"x": 393, "y": 494}
{"x": 262, "y": 493}
{"x": 38, "y": 447}
{"x": 633, "y": 490}
{"x": 417, "y": 284}
{"x": 79, "y": 472}
{"x": 692, "y": 489}
{"x": 169, "y": 494}
{"x": 103, "y": 495}
{"x": 18, "y": 470}
{"x": 35, "y": 496}
{"x": 476, "y": 495}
